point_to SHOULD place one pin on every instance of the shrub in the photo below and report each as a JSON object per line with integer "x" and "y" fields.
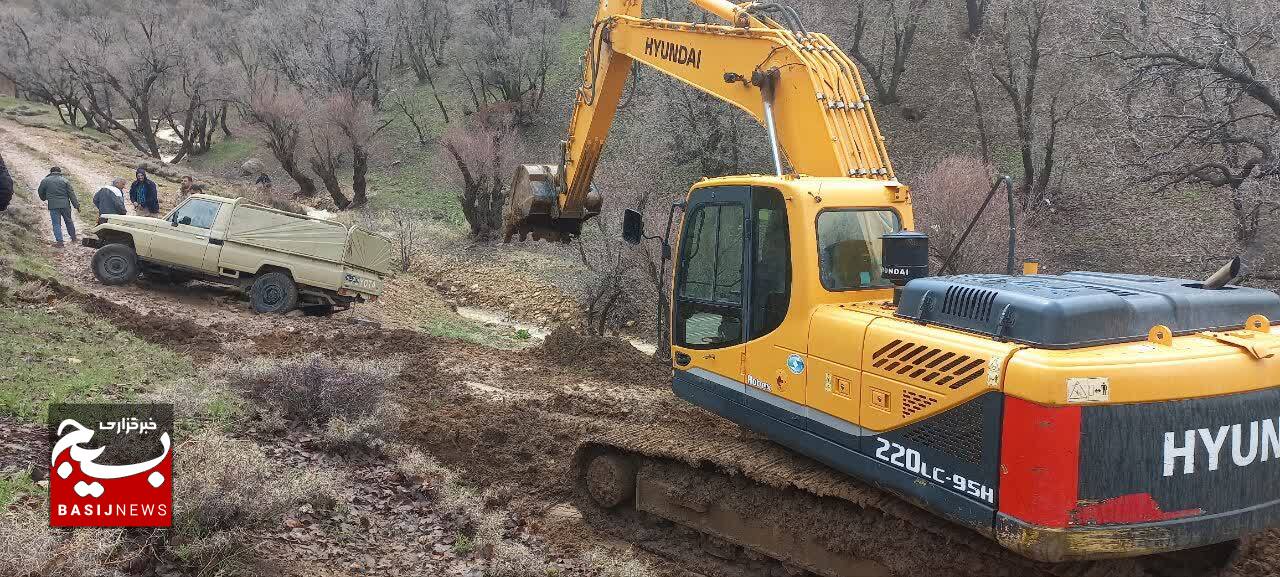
{"x": 368, "y": 433}
{"x": 946, "y": 197}
{"x": 315, "y": 389}
{"x": 30, "y": 548}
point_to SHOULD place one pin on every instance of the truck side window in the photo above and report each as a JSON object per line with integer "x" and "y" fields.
{"x": 201, "y": 212}
{"x": 771, "y": 264}
{"x": 709, "y": 293}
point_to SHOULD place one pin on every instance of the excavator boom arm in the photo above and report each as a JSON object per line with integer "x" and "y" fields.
{"x": 798, "y": 84}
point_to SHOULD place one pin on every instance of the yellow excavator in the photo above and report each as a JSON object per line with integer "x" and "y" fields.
{"x": 1074, "y": 424}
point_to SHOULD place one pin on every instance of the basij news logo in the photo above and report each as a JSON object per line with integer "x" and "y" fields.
{"x": 111, "y": 465}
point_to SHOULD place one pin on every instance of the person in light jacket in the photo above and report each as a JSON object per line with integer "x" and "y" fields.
{"x": 56, "y": 190}
{"x": 110, "y": 200}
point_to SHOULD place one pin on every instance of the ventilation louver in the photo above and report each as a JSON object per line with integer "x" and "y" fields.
{"x": 968, "y": 302}
{"x": 913, "y": 402}
{"x": 927, "y": 364}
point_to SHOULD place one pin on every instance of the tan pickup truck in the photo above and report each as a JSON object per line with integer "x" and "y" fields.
{"x": 283, "y": 260}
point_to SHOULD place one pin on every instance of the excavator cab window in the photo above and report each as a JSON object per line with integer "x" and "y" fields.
{"x": 849, "y": 250}
{"x": 735, "y": 256}
{"x": 771, "y": 261}
{"x": 709, "y": 291}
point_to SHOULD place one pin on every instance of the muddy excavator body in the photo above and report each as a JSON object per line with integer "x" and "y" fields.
{"x": 1065, "y": 419}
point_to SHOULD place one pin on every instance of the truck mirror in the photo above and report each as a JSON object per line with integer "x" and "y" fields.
{"x": 185, "y": 220}
{"x": 632, "y": 226}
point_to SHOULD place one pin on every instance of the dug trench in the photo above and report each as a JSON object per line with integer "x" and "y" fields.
{"x": 516, "y": 418}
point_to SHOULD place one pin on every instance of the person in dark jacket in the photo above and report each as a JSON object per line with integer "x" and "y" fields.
{"x": 6, "y": 186}
{"x": 56, "y": 190}
{"x": 143, "y": 192}
{"x": 110, "y": 200}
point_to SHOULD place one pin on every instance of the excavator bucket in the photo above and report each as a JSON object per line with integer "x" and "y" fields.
{"x": 534, "y": 207}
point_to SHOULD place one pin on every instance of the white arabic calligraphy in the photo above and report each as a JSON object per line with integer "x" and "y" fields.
{"x": 81, "y": 435}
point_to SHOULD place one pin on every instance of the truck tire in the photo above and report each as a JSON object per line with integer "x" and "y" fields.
{"x": 273, "y": 292}
{"x": 115, "y": 264}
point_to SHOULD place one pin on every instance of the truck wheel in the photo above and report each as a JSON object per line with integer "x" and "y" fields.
{"x": 273, "y": 292}
{"x": 115, "y": 264}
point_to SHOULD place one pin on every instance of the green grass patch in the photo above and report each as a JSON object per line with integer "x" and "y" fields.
{"x": 30, "y": 113}
{"x": 455, "y": 327}
{"x": 224, "y": 154}
{"x": 20, "y": 240}
{"x": 414, "y": 185}
{"x": 16, "y": 486}
{"x": 62, "y": 354}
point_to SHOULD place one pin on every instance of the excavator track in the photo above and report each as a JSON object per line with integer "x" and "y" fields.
{"x": 750, "y": 503}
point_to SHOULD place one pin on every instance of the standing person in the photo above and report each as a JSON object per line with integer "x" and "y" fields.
{"x": 56, "y": 190}
{"x": 110, "y": 199}
{"x": 6, "y": 186}
{"x": 188, "y": 186}
{"x": 143, "y": 192}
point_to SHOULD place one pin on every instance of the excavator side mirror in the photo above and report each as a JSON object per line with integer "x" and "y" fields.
{"x": 632, "y": 226}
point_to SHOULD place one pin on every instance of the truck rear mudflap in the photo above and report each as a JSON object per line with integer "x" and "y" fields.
{"x": 1091, "y": 482}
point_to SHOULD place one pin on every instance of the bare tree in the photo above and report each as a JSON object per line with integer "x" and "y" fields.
{"x": 885, "y": 59}
{"x": 328, "y": 156}
{"x": 426, "y": 29}
{"x": 1026, "y": 52}
{"x": 482, "y": 148}
{"x": 1203, "y": 99}
{"x": 507, "y": 54}
{"x": 281, "y": 114}
{"x": 606, "y": 287}
{"x": 130, "y": 69}
{"x": 975, "y": 16}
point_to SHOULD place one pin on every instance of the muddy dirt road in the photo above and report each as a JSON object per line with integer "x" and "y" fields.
{"x": 505, "y": 419}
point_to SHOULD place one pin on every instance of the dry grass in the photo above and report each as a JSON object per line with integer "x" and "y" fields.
{"x": 30, "y": 548}
{"x": 225, "y": 488}
{"x": 369, "y": 433}
{"x": 461, "y": 506}
{"x": 313, "y": 388}
{"x": 606, "y": 564}
{"x": 33, "y": 291}
{"x": 515, "y": 559}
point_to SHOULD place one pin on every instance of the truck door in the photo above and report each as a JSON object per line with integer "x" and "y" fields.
{"x": 186, "y": 242}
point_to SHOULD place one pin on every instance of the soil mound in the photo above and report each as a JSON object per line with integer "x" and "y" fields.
{"x": 177, "y": 333}
{"x": 607, "y": 358}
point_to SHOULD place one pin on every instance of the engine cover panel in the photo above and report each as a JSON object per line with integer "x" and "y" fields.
{"x": 1079, "y": 309}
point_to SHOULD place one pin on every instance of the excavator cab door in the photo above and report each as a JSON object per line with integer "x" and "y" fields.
{"x": 709, "y": 312}
{"x": 733, "y": 280}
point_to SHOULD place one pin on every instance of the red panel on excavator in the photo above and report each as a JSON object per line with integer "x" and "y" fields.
{"x": 1039, "y": 462}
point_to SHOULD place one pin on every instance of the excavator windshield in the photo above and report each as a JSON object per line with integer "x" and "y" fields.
{"x": 849, "y": 249}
